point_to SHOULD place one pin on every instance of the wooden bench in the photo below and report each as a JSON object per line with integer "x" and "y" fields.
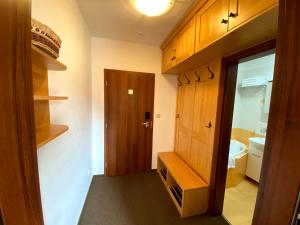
{"x": 187, "y": 189}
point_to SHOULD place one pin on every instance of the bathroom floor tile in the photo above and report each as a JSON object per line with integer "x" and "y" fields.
{"x": 239, "y": 203}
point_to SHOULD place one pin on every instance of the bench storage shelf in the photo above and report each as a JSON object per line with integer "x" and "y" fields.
{"x": 187, "y": 189}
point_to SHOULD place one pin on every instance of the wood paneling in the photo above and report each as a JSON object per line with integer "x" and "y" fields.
{"x": 212, "y": 23}
{"x": 240, "y": 11}
{"x": 19, "y": 184}
{"x": 280, "y": 177}
{"x": 128, "y": 143}
{"x": 196, "y": 110}
{"x": 185, "y": 101}
{"x": 204, "y": 120}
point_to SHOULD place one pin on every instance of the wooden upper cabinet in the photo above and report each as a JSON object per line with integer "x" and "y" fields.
{"x": 185, "y": 42}
{"x": 169, "y": 57}
{"x": 211, "y": 23}
{"x": 241, "y": 11}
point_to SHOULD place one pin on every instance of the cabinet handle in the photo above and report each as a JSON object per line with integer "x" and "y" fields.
{"x": 173, "y": 58}
{"x": 231, "y": 14}
{"x": 224, "y": 21}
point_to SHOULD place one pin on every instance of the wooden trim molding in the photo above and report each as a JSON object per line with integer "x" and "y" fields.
{"x": 280, "y": 177}
{"x": 19, "y": 184}
{"x": 224, "y": 123}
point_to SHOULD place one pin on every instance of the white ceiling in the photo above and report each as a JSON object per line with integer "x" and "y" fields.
{"x": 117, "y": 19}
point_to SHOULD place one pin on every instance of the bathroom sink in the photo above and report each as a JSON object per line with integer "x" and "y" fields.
{"x": 257, "y": 142}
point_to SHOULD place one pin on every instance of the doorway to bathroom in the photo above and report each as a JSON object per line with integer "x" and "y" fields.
{"x": 253, "y": 88}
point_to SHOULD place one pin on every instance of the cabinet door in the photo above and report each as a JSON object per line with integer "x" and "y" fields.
{"x": 254, "y": 165}
{"x": 212, "y": 23}
{"x": 204, "y": 120}
{"x": 241, "y": 11}
{"x": 185, "y": 107}
{"x": 169, "y": 57}
{"x": 185, "y": 42}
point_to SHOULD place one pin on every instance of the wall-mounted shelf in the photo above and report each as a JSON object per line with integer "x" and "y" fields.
{"x": 48, "y": 133}
{"x": 47, "y": 98}
{"x": 44, "y": 60}
{"x": 41, "y": 63}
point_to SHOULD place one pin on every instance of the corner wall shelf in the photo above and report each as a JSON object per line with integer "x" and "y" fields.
{"x": 44, "y": 60}
{"x": 48, "y": 133}
{"x": 41, "y": 63}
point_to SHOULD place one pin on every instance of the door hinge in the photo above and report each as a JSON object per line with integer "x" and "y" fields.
{"x": 106, "y": 125}
{"x": 106, "y": 83}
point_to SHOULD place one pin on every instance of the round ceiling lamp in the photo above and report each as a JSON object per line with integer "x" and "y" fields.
{"x": 153, "y": 7}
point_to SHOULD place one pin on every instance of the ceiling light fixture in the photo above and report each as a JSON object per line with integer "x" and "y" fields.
{"x": 153, "y": 7}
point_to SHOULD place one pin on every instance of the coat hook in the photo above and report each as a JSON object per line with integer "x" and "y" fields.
{"x": 212, "y": 75}
{"x": 179, "y": 82}
{"x": 198, "y": 77}
{"x": 187, "y": 78}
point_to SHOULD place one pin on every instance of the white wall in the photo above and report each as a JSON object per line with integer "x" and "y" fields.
{"x": 250, "y": 101}
{"x": 111, "y": 54}
{"x": 64, "y": 162}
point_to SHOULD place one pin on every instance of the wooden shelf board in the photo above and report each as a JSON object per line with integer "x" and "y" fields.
{"x": 46, "y": 98}
{"x": 43, "y": 59}
{"x": 185, "y": 177}
{"x": 48, "y": 133}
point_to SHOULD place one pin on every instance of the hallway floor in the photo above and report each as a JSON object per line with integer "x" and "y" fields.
{"x": 239, "y": 203}
{"x": 135, "y": 200}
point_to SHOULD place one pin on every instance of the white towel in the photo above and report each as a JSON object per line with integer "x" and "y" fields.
{"x": 268, "y": 97}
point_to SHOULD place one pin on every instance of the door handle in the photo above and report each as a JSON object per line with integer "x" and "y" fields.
{"x": 147, "y": 124}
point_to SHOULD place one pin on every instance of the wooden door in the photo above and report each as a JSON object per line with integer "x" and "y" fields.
{"x": 184, "y": 121}
{"x": 185, "y": 42}
{"x": 212, "y": 23}
{"x": 129, "y": 99}
{"x": 241, "y": 11}
{"x": 169, "y": 57}
{"x": 204, "y": 120}
{"x": 20, "y": 202}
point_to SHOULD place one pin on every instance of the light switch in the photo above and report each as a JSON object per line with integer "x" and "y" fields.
{"x": 157, "y": 115}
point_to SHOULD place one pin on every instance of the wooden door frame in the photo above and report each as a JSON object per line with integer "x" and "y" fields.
{"x": 224, "y": 122}
{"x": 106, "y": 115}
{"x": 20, "y": 199}
{"x": 273, "y": 206}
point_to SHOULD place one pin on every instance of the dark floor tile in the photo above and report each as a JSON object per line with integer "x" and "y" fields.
{"x": 135, "y": 200}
